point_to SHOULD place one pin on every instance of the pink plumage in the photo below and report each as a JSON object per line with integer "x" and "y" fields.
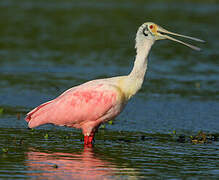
{"x": 85, "y": 106}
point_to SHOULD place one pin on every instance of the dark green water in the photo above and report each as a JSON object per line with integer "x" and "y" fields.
{"x": 49, "y": 46}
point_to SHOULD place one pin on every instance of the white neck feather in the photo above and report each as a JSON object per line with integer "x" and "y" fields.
{"x": 134, "y": 80}
{"x": 141, "y": 59}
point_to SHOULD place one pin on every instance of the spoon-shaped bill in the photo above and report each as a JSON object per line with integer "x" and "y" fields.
{"x": 163, "y": 34}
{"x": 186, "y": 44}
{"x": 160, "y": 29}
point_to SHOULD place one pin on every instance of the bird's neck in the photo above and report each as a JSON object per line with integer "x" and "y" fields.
{"x": 134, "y": 80}
{"x": 141, "y": 60}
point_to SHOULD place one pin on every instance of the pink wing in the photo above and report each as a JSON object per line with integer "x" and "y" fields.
{"x": 77, "y": 107}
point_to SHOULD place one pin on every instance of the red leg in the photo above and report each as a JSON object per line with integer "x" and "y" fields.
{"x": 88, "y": 140}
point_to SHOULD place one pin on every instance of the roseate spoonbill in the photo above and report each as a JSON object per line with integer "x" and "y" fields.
{"x": 88, "y": 105}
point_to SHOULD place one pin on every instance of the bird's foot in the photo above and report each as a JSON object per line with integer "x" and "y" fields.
{"x": 89, "y": 140}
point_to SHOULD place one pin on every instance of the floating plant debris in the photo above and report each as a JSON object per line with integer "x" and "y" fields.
{"x": 203, "y": 137}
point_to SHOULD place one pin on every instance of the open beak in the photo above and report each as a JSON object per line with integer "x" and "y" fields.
{"x": 161, "y": 33}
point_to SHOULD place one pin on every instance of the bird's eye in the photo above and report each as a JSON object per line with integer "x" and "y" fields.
{"x": 151, "y": 27}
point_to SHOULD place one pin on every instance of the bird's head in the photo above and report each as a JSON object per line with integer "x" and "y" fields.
{"x": 152, "y": 32}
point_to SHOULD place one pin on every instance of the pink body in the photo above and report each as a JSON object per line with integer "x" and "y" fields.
{"x": 85, "y": 106}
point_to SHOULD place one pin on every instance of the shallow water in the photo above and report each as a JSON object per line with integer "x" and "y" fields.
{"x": 48, "y": 47}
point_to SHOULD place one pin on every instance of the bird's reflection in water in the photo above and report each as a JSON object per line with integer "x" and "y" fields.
{"x": 57, "y": 165}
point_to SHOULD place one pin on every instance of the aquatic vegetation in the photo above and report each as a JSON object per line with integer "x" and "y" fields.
{"x": 102, "y": 126}
{"x": 110, "y": 122}
{"x": 4, "y": 150}
{"x": 1, "y": 111}
{"x": 46, "y": 136}
{"x": 202, "y": 138}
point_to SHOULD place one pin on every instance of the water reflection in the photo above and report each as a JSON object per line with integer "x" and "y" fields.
{"x": 59, "y": 165}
